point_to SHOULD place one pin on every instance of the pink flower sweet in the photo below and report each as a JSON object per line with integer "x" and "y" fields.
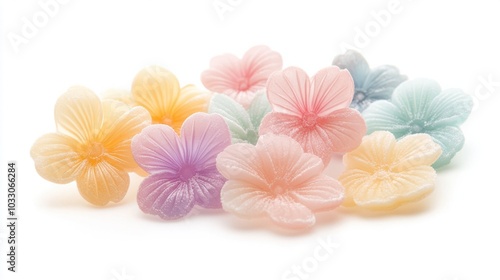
{"x": 277, "y": 179}
{"x": 183, "y": 171}
{"x": 241, "y": 79}
{"x": 315, "y": 112}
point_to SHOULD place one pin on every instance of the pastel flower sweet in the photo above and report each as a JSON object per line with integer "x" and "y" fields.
{"x": 91, "y": 145}
{"x": 314, "y": 112}
{"x": 383, "y": 173}
{"x": 276, "y": 179}
{"x": 420, "y": 106}
{"x": 242, "y": 78}
{"x": 243, "y": 124}
{"x": 158, "y": 90}
{"x": 370, "y": 84}
{"x": 182, "y": 168}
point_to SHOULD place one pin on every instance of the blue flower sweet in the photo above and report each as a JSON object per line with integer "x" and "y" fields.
{"x": 420, "y": 106}
{"x": 370, "y": 84}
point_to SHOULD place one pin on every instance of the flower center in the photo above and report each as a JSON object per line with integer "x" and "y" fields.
{"x": 278, "y": 187}
{"x": 243, "y": 84}
{"x": 187, "y": 172}
{"x": 309, "y": 119}
{"x": 166, "y": 120}
{"x": 383, "y": 172}
{"x": 417, "y": 126}
{"x": 359, "y": 95}
{"x": 95, "y": 151}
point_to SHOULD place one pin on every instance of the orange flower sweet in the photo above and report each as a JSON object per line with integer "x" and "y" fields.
{"x": 91, "y": 145}
{"x": 158, "y": 90}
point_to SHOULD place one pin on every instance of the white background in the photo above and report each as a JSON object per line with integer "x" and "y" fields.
{"x": 452, "y": 235}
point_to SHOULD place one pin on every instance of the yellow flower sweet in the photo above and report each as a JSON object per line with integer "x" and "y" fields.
{"x": 158, "y": 90}
{"x": 91, "y": 145}
{"x": 383, "y": 173}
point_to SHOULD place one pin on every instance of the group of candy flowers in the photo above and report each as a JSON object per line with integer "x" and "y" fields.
{"x": 257, "y": 144}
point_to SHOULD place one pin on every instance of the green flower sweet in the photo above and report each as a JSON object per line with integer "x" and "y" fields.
{"x": 420, "y": 106}
{"x": 243, "y": 124}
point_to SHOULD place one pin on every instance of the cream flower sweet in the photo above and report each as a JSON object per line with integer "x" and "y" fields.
{"x": 91, "y": 145}
{"x": 277, "y": 179}
{"x": 383, "y": 173}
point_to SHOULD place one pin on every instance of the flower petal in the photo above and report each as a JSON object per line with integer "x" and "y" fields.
{"x": 243, "y": 199}
{"x": 238, "y": 162}
{"x": 78, "y": 113}
{"x": 161, "y": 194}
{"x": 410, "y": 185}
{"x": 121, "y": 95}
{"x": 282, "y": 158}
{"x": 383, "y": 115}
{"x": 101, "y": 183}
{"x": 345, "y": 128}
{"x": 287, "y": 213}
{"x": 120, "y": 124}
{"x": 321, "y": 193}
{"x": 258, "y": 109}
{"x": 415, "y": 150}
{"x": 207, "y": 186}
{"x": 382, "y": 81}
{"x": 413, "y": 98}
{"x": 356, "y": 64}
{"x": 224, "y": 74}
{"x": 258, "y": 63}
{"x": 451, "y": 140}
{"x": 236, "y": 118}
{"x": 157, "y": 90}
{"x": 288, "y": 90}
{"x": 450, "y": 108}
{"x": 157, "y": 149}
{"x": 191, "y": 100}
{"x": 56, "y": 158}
{"x": 375, "y": 150}
{"x": 352, "y": 179}
{"x": 203, "y": 137}
{"x": 331, "y": 89}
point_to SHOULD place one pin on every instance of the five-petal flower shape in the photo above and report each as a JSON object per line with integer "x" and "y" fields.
{"x": 158, "y": 90}
{"x": 419, "y": 106}
{"x": 91, "y": 145}
{"x": 243, "y": 124}
{"x": 183, "y": 170}
{"x": 383, "y": 173}
{"x": 277, "y": 179}
{"x": 314, "y": 112}
{"x": 370, "y": 84}
{"x": 241, "y": 79}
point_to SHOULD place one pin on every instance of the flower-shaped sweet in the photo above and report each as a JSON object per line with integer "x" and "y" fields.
{"x": 277, "y": 179}
{"x": 183, "y": 171}
{"x": 91, "y": 145}
{"x": 383, "y": 173}
{"x": 243, "y": 124}
{"x": 158, "y": 90}
{"x": 241, "y": 79}
{"x": 314, "y": 112}
{"x": 419, "y": 106}
{"x": 370, "y": 84}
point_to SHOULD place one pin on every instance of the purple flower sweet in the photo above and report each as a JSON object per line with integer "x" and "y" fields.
{"x": 182, "y": 168}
